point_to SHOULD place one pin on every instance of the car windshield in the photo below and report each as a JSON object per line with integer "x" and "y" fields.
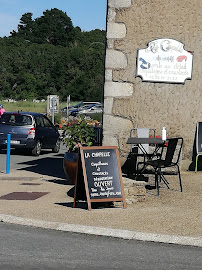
{"x": 16, "y": 119}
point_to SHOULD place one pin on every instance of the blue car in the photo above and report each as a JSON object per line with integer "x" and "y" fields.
{"x": 71, "y": 108}
{"x": 28, "y": 130}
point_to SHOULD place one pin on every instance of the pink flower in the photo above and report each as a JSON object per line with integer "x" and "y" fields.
{"x": 78, "y": 145}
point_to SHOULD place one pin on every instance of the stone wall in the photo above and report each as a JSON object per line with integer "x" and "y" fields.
{"x": 129, "y": 102}
{"x": 134, "y": 191}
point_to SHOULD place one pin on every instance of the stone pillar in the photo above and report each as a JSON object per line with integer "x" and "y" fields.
{"x": 114, "y": 128}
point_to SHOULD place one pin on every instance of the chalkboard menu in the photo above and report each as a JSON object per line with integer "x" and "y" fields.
{"x": 102, "y": 174}
{"x": 199, "y": 137}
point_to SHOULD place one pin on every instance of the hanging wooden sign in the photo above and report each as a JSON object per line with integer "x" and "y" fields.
{"x": 102, "y": 175}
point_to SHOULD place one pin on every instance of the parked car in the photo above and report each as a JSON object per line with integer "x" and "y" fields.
{"x": 64, "y": 110}
{"x": 91, "y": 110}
{"x": 32, "y": 131}
{"x": 85, "y": 108}
{"x": 73, "y": 110}
{"x": 76, "y": 110}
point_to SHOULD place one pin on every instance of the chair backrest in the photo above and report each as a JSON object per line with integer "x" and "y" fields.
{"x": 174, "y": 148}
{"x": 143, "y": 133}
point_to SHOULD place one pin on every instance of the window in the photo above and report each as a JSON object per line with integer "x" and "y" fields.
{"x": 39, "y": 121}
{"x": 16, "y": 119}
{"x": 47, "y": 122}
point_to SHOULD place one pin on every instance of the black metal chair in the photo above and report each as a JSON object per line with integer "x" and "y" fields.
{"x": 135, "y": 152}
{"x": 170, "y": 159}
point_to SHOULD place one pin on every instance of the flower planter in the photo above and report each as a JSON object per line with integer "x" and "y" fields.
{"x": 76, "y": 134}
{"x": 70, "y": 165}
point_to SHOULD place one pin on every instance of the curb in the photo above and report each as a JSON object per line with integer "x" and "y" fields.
{"x": 124, "y": 234}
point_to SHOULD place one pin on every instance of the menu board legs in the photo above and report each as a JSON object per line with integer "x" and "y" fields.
{"x": 99, "y": 176}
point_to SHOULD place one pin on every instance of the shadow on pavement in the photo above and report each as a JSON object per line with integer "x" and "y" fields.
{"x": 59, "y": 182}
{"x": 51, "y": 166}
{"x": 84, "y": 205}
{"x": 81, "y": 205}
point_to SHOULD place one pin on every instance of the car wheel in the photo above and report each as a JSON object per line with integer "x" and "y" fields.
{"x": 37, "y": 149}
{"x": 56, "y": 149}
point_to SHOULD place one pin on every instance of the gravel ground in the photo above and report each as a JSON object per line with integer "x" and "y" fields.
{"x": 172, "y": 213}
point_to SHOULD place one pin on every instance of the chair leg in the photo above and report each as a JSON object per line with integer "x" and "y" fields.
{"x": 139, "y": 172}
{"x": 196, "y": 163}
{"x": 180, "y": 180}
{"x": 164, "y": 180}
{"x": 157, "y": 182}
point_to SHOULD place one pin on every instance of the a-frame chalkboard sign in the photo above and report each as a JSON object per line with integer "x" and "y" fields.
{"x": 198, "y": 142}
{"x": 102, "y": 175}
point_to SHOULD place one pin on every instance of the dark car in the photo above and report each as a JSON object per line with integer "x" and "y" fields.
{"x": 28, "y": 130}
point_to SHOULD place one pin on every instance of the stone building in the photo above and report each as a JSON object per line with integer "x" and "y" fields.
{"x": 131, "y": 102}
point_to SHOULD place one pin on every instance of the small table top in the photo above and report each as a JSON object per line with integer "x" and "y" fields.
{"x": 145, "y": 141}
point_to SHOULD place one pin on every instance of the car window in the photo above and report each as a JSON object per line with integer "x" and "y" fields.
{"x": 78, "y": 105}
{"x": 5, "y": 118}
{"x": 47, "y": 122}
{"x": 26, "y": 120}
{"x": 96, "y": 108}
{"x": 39, "y": 121}
{"x": 16, "y": 119}
{"x": 84, "y": 107}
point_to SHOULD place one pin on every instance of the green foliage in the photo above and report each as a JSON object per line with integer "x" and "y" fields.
{"x": 57, "y": 118}
{"x": 54, "y": 27}
{"x": 49, "y": 56}
{"x": 78, "y": 133}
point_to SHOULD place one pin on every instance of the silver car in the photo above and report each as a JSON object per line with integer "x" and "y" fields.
{"x": 91, "y": 110}
{"x": 32, "y": 131}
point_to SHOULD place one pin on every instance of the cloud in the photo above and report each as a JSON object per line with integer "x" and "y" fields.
{"x": 8, "y": 23}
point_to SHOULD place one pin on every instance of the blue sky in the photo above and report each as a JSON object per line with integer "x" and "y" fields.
{"x": 87, "y": 14}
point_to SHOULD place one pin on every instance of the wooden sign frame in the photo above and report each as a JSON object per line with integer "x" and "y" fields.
{"x": 121, "y": 197}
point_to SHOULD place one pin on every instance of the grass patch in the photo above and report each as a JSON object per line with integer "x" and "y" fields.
{"x": 28, "y": 106}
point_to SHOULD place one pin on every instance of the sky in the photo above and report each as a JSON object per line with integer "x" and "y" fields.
{"x": 87, "y": 14}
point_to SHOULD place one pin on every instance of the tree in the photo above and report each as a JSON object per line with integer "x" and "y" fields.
{"x": 54, "y": 27}
{"x": 49, "y": 56}
{"x": 25, "y": 27}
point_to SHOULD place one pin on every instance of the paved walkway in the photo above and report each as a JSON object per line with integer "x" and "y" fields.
{"x": 173, "y": 217}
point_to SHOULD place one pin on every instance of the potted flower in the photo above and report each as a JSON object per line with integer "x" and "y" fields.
{"x": 75, "y": 134}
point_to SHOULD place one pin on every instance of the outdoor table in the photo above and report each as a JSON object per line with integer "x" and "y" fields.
{"x": 139, "y": 142}
{"x": 158, "y": 142}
